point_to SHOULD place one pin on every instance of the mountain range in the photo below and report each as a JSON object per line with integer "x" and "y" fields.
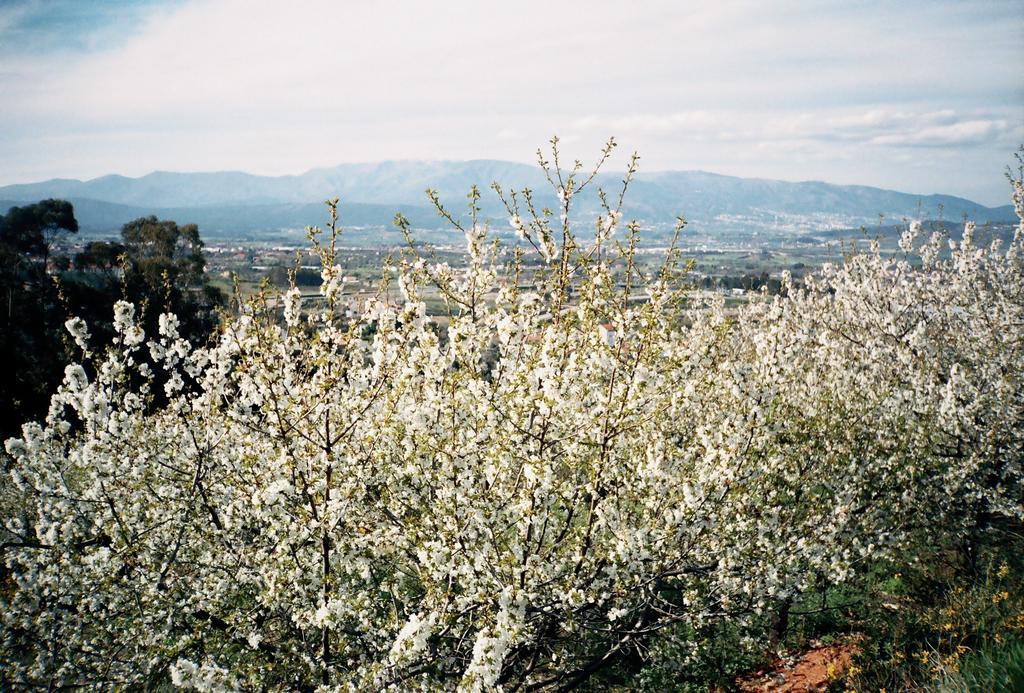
{"x": 242, "y": 205}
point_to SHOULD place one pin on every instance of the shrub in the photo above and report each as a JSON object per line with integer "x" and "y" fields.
{"x": 525, "y": 503}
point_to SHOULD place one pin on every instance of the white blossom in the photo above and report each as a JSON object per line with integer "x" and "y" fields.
{"x": 439, "y": 508}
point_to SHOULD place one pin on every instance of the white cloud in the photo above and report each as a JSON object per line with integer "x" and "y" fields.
{"x": 876, "y": 126}
{"x": 778, "y": 89}
{"x": 969, "y": 132}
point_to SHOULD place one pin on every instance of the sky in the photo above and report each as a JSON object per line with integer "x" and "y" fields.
{"x": 919, "y": 95}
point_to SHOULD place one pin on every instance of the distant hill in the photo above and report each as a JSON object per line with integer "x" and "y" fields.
{"x": 240, "y": 205}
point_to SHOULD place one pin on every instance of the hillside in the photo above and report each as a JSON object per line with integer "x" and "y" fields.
{"x": 237, "y": 204}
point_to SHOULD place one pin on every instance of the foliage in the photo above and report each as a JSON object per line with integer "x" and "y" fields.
{"x": 31, "y": 319}
{"x": 158, "y": 266}
{"x": 528, "y": 502}
{"x": 29, "y": 229}
{"x": 939, "y": 625}
{"x": 998, "y": 668}
{"x": 162, "y": 250}
{"x": 685, "y": 659}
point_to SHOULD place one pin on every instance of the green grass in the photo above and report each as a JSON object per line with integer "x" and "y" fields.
{"x": 942, "y": 626}
{"x": 995, "y": 668}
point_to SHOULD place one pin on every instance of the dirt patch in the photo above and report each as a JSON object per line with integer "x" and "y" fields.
{"x": 812, "y": 670}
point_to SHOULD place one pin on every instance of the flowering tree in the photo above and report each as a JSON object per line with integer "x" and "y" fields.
{"x": 517, "y": 504}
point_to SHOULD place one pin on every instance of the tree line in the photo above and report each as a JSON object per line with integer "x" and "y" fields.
{"x": 157, "y": 265}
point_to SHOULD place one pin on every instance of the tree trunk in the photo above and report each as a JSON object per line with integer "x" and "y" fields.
{"x": 780, "y": 623}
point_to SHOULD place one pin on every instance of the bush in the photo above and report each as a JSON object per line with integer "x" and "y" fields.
{"x": 998, "y": 668}
{"x": 532, "y": 500}
{"x": 942, "y": 626}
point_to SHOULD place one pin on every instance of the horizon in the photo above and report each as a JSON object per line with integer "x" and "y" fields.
{"x": 641, "y": 173}
{"x": 926, "y": 97}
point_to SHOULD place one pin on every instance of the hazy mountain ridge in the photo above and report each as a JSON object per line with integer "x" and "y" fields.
{"x": 239, "y": 204}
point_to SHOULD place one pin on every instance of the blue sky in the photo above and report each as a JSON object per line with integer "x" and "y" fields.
{"x": 922, "y": 96}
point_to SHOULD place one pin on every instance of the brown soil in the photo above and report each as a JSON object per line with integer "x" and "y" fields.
{"x": 813, "y": 670}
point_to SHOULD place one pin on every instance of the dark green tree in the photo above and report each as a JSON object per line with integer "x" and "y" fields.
{"x": 164, "y": 271}
{"x": 30, "y": 230}
{"x": 31, "y": 317}
{"x": 158, "y": 265}
{"x": 161, "y": 250}
{"x": 101, "y": 255}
